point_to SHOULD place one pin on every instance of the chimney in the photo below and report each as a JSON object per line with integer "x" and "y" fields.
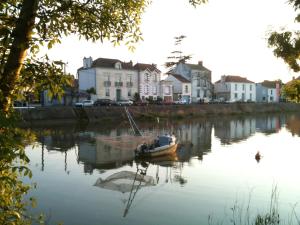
{"x": 87, "y": 62}
{"x": 223, "y": 78}
{"x": 200, "y": 63}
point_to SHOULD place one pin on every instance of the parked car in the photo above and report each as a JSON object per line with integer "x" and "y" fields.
{"x": 125, "y": 102}
{"x": 104, "y": 102}
{"x": 181, "y": 102}
{"x": 84, "y": 103}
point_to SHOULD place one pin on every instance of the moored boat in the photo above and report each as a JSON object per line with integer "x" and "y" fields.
{"x": 163, "y": 145}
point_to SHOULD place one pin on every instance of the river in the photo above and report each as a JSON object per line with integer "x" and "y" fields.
{"x": 87, "y": 174}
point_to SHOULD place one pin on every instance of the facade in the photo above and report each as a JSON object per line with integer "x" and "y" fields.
{"x": 166, "y": 91}
{"x": 181, "y": 87}
{"x": 268, "y": 91}
{"x": 200, "y": 78}
{"x": 111, "y": 78}
{"x": 148, "y": 80}
{"x": 235, "y": 88}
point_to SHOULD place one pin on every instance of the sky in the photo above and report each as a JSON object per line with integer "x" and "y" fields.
{"x": 229, "y": 36}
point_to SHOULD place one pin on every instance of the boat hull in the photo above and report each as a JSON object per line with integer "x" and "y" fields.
{"x": 160, "y": 151}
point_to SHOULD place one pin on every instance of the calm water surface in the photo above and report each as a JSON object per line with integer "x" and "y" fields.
{"x": 215, "y": 167}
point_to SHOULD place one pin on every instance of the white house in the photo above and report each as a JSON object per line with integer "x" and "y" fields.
{"x": 148, "y": 80}
{"x": 166, "y": 91}
{"x": 111, "y": 78}
{"x": 268, "y": 91}
{"x": 181, "y": 87}
{"x": 235, "y": 88}
{"x": 200, "y": 78}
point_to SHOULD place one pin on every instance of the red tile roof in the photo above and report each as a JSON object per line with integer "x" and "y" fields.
{"x": 235, "y": 79}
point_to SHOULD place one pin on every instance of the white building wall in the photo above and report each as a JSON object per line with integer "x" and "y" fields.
{"x": 149, "y": 84}
{"x": 242, "y": 92}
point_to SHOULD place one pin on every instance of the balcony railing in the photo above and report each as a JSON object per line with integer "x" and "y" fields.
{"x": 118, "y": 84}
{"x": 107, "y": 83}
{"x": 129, "y": 84}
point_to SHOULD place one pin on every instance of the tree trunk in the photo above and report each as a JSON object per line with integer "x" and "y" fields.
{"x": 21, "y": 38}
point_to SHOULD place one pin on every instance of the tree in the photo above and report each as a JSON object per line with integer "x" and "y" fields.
{"x": 286, "y": 44}
{"x": 177, "y": 55}
{"x": 291, "y": 90}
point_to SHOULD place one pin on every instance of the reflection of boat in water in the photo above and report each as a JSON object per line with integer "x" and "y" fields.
{"x": 163, "y": 145}
{"x": 127, "y": 181}
{"x": 123, "y": 181}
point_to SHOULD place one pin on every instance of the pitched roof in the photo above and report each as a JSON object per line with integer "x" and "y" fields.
{"x": 198, "y": 66}
{"x": 180, "y": 78}
{"x": 110, "y": 63}
{"x": 144, "y": 66}
{"x": 269, "y": 84}
{"x": 235, "y": 79}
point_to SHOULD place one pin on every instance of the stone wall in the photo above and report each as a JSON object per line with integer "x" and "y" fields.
{"x": 114, "y": 113}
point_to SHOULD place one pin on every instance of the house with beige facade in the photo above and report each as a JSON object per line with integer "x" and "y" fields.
{"x": 235, "y": 88}
{"x": 111, "y": 78}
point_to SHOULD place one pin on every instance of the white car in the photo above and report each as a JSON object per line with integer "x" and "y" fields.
{"x": 125, "y": 102}
{"x": 84, "y": 103}
{"x": 181, "y": 102}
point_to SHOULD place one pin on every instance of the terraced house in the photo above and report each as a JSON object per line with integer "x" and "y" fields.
{"x": 148, "y": 80}
{"x": 111, "y": 78}
{"x": 235, "y": 88}
{"x": 268, "y": 91}
{"x": 200, "y": 78}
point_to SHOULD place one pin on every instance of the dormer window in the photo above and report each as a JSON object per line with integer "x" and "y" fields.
{"x": 118, "y": 65}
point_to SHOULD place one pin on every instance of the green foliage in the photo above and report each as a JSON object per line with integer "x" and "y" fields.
{"x": 13, "y": 162}
{"x": 291, "y": 90}
{"x": 91, "y": 91}
{"x": 286, "y": 44}
{"x": 136, "y": 97}
{"x": 177, "y": 55}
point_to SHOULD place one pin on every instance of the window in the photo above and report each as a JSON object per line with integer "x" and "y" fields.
{"x": 154, "y": 90}
{"x": 235, "y": 95}
{"x": 147, "y": 77}
{"x": 167, "y": 90}
{"x": 118, "y": 65}
{"x": 250, "y": 96}
{"x": 107, "y": 93}
{"x": 243, "y": 87}
{"x": 186, "y": 89}
{"x": 198, "y": 82}
{"x": 155, "y": 77}
{"x": 271, "y": 91}
{"x": 235, "y": 87}
{"x": 198, "y": 93}
{"x": 146, "y": 89}
{"x": 250, "y": 87}
{"x": 129, "y": 92}
{"x": 243, "y": 96}
{"x": 129, "y": 78}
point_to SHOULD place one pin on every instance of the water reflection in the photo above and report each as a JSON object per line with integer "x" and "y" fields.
{"x": 102, "y": 158}
{"x": 103, "y": 148}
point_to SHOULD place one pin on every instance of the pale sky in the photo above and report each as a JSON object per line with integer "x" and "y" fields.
{"x": 229, "y": 36}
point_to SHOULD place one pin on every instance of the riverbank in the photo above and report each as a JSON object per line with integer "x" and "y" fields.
{"x": 150, "y": 112}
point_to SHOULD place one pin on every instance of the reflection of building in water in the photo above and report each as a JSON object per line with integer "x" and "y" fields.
{"x": 195, "y": 139}
{"x": 105, "y": 153}
{"x": 268, "y": 124}
{"x": 233, "y": 130}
